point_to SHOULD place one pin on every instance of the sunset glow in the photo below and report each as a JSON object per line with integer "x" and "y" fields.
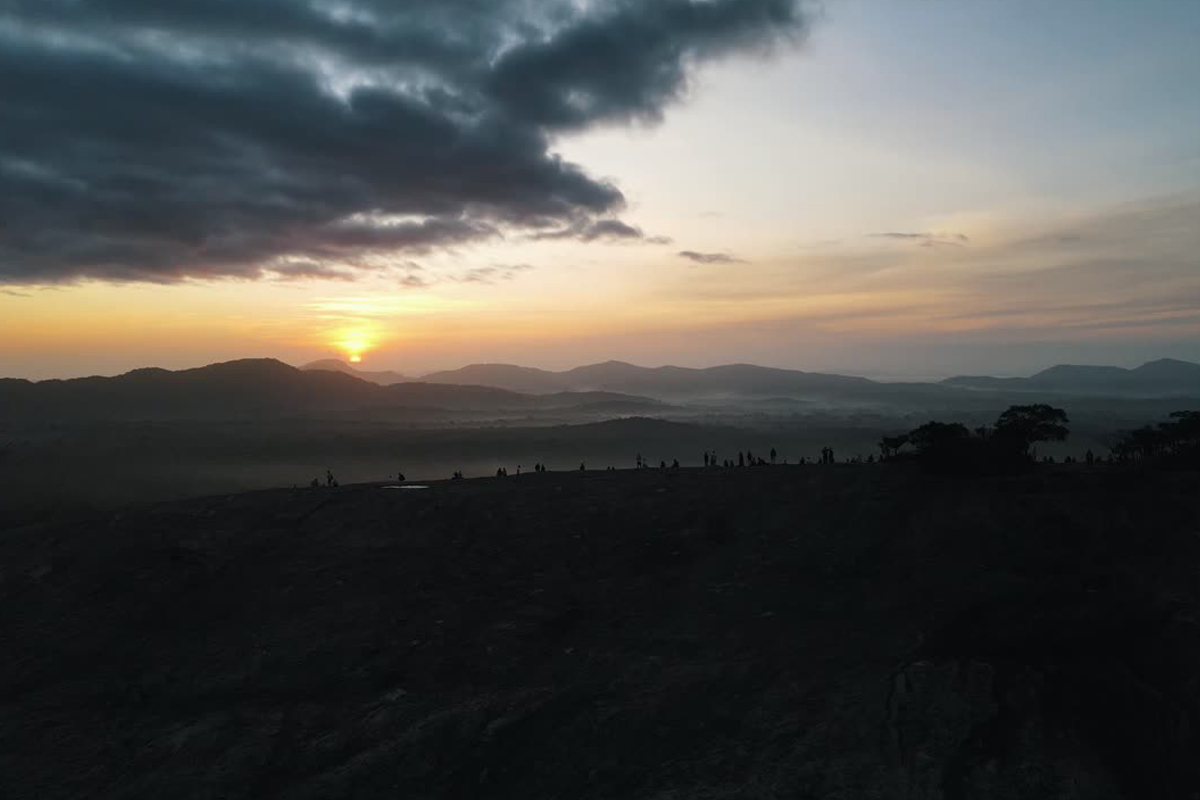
{"x": 845, "y": 216}
{"x": 354, "y": 344}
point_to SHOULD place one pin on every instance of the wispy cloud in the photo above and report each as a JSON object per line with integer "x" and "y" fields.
{"x": 491, "y": 273}
{"x": 307, "y": 270}
{"x": 709, "y": 258}
{"x": 1133, "y": 266}
{"x": 605, "y": 230}
{"x": 925, "y": 239}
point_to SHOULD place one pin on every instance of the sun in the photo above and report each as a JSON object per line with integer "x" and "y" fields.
{"x": 354, "y": 343}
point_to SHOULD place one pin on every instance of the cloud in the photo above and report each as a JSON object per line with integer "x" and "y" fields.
{"x": 492, "y": 273}
{"x": 151, "y": 141}
{"x": 411, "y": 281}
{"x": 709, "y": 258}
{"x": 1120, "y": 268}
{"x": 297, "y": 270}
{"x": 612, "y": 230}
{"x": 14, "y": 293}
{"x": 926, "y": 239}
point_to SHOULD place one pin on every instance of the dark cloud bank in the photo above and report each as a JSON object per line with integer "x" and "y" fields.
{"x": 152, "y": 140}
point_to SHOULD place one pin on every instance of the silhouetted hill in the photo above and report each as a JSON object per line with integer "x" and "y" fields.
{"x": 1162, "y": 378}
{"x": 248, "y": 387}
{"x": 669, "y": 382}
{"x": 383, "y": 378}
{"x": 256, "y": 388}
{"x": 770, "y": 632}
{"x": 504, "y": 376}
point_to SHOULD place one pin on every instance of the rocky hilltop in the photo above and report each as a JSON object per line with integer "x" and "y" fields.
{"x": 813, "y": 632}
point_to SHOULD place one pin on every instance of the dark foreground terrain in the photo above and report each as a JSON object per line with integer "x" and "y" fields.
{"x": 771, "y": 632}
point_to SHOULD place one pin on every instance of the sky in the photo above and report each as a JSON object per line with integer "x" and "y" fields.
{"x": 904, "y": 189}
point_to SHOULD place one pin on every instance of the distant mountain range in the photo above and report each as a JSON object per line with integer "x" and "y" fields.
{"x": 731, "y": 380}
{"x": 1162, "y": 378}
{"x": 1166, "y": 377}
{"x": 257, "y": 388}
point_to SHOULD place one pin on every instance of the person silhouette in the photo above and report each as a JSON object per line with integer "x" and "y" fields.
{"x": 583, "y": 467}
{"x": 773, "y": 454}
{"x": 675, "y": 463}
{"x": 328, "y": 477}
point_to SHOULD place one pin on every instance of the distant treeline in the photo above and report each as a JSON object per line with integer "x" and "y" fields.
{"x": 1176, "y": 442}
{"x": 1010, "y": 443}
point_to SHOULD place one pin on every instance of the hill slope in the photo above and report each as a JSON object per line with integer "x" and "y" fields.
{"x": 1163, "y": 378}
{"x": 767, "y": 632}
{"x": 383, "y": 378}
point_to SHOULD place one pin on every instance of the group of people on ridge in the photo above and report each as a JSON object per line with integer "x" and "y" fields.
{"x": 743, "y": 459}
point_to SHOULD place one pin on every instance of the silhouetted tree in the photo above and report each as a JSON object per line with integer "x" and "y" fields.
{"x": 1021, "y": 427}
{"x": 1176, "y": 441}
{"x": 933, "y": 436}
{"x": 943, "y": 446}
{"x": 773, "y": 454}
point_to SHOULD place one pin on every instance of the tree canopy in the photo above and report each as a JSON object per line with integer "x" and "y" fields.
{"x": 1024, "y": 426}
